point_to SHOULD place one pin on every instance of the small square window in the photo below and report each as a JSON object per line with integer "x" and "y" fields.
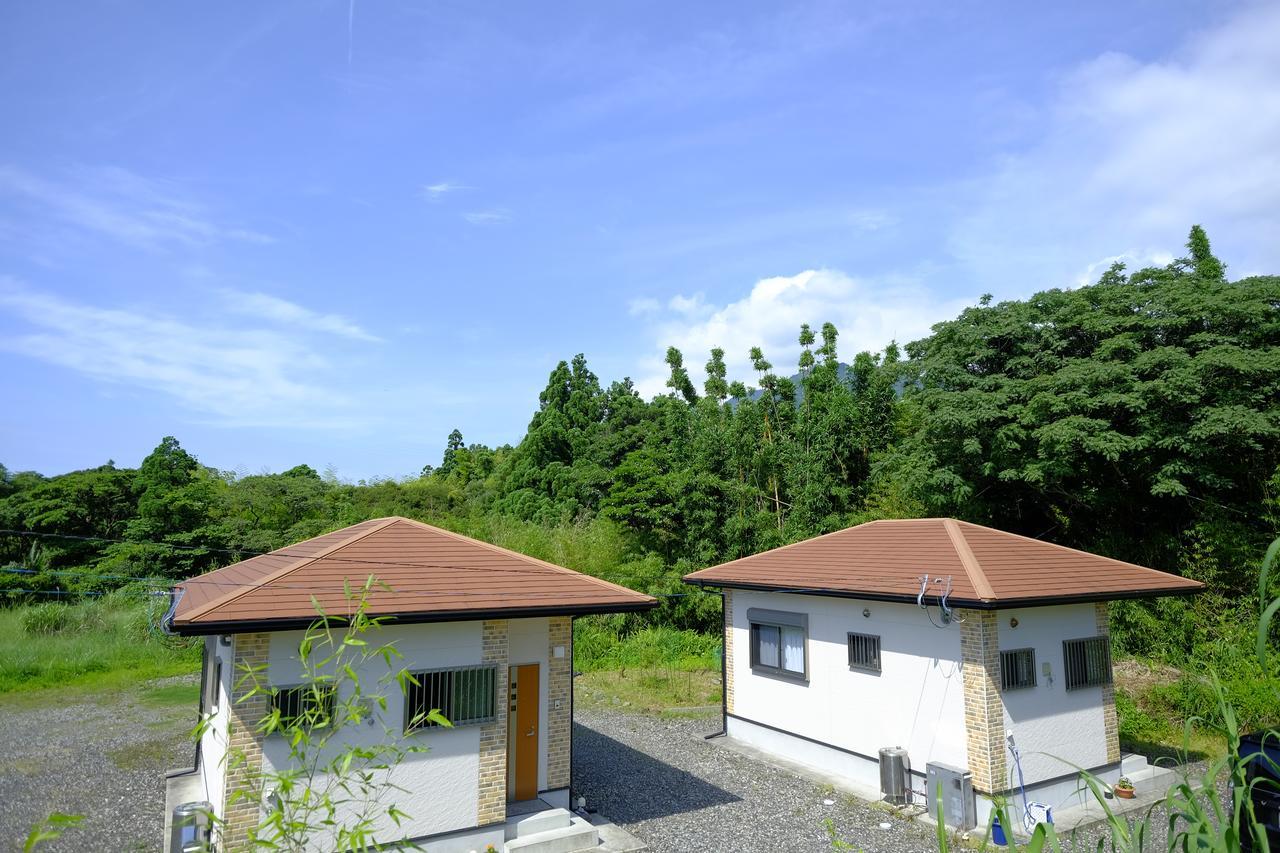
{"x": 1017, "y": 669}
{"x": 864, "y": 652}
{"x": 306, "y": 705}
{"x": 779, "y": 647}
{"x": 1087, "y": 662}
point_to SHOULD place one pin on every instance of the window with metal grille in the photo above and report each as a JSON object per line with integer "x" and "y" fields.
{"x": 1017, "y": 669}
{"x": 864, "y": 652}
{"x": 465, "y": 696}
{"x": 309, "y": 705}
{"x": 1087, "y": 662}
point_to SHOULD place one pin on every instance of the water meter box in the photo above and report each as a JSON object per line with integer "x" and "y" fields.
{"x": 958, "y": 806}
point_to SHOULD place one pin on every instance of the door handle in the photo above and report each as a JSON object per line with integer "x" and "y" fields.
{"x": 533, "y": 730}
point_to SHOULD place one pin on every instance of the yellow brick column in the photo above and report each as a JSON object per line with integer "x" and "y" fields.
{"x": 244, "y": 754}
{"x": 983, "y": 707}
{"x": 493, "y": 736}
{"x": 559, "y": 691}
{"x": 1110, "y": 723}
{"x": 727, "y": 687}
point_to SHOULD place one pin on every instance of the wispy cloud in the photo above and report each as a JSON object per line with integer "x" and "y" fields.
{"x": 234, "y": 374}
{"x": 1134, "y": 153}
{"x": 437, "y": 192}
{"x": 123, "y": 206}
{"x": 267, "y": 307}
{"x": 494, "y": 216}
{"x": 643, "y": 306}
{"x": 868, "y": 313}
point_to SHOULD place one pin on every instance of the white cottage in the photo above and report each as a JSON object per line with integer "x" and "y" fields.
{"x": 486, "y": 631}
{"x": 961, "y": 649}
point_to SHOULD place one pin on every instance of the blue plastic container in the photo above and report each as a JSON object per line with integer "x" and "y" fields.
{"x": 997, "y": 832}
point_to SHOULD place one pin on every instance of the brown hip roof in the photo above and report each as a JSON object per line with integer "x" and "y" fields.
{"x": 423, "y": 574}
{"x": 973, "y": 565}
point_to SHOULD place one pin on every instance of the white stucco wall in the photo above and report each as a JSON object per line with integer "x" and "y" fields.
{"x": 917, "y": 701}
{"x": 440, "y": 785}
{"x": 1053, "y": 727}
{"x": 213, "y": 743}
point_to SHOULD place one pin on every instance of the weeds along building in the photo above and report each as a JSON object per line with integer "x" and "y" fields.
{"x": 486, "y": 633}
{"x": 944, "y": 642}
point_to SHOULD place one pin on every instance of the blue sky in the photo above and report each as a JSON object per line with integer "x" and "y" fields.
{"x": 330, "y": 233}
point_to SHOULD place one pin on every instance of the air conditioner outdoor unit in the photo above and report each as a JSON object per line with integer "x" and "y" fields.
{"x": 895, "y": 765}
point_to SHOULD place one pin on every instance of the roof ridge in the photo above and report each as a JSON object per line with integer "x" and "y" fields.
{"x": 489, "y": 545}
{"x": 228, "y": 597}
{"x": 1078, "y": 551}
{"x": 972, "y": 568}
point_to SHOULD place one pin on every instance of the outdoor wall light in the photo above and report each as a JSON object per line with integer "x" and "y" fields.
{"x": 866, "y": 611}
{"x": 1013, "y": 623}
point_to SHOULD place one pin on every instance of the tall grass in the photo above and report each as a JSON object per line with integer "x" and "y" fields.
{"x": 111, "y": 638}
{"x": 598, "y": 645}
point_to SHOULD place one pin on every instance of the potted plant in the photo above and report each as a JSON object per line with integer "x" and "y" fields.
{"x": 1124, "y": 788}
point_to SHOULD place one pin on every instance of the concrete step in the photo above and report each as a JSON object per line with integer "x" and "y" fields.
{"x": 1132, "y": 763}
{"x": 542, "y": 822}
{"x": 578, "y": 835}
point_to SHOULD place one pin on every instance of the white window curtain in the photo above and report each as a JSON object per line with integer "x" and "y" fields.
{"x": 767, "y": 648}
{"x": 793, "y": 650}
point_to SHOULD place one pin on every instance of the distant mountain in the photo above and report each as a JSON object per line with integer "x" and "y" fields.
{"x": 842, "y": 371}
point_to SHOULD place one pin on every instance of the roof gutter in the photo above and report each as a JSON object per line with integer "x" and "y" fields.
{"x": 248, "y": 626}
{"x": 969, "y": 603}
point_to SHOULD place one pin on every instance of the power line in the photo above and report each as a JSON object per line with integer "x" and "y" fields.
{"x": 157, "y": 582}
{"x": 284, "y": 552}
{"x": 336, "y": 558}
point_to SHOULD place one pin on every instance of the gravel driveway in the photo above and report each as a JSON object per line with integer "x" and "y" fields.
{"x": 660, "y": 779}
{"x": 104, "y": 760}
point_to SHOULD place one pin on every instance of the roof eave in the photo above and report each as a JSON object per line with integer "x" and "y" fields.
{"x": 250, "y": 626}
{"x": 954, "y": 601}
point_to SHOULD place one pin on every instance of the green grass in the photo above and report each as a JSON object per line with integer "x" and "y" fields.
{"x": 106, "y": 643}
{"x": 597, "y": 646}
{"x": 670, "y": 692}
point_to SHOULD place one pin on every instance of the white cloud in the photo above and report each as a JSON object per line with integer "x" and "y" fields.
{"x": 267, "y": 307}
{"x": 643, "y": 306}
{"x": 124, "y": 206}
{"x": 1135, "y": 153}
{"x": 494, "y": 216}
{"x": 437, "y": 192}
{"x": 237, "y": 375}
{"x": 868, "y": 313}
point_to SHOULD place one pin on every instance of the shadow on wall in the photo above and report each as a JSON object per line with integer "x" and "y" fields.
{"x": 628, "y": 785}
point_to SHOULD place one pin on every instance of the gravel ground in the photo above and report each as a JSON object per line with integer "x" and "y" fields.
{"x": 104, "y": 760}
{"x": 661, "y": 780}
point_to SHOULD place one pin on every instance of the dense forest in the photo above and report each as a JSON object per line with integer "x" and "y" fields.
{"x": 1138, "y": 417}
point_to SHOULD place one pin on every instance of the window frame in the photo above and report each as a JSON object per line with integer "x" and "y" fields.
{"x": 410, "y": 727}
{"x": 1005, "y": 686}
{"x": 329, "y": 692}
{"x": 873, "y": 668}
{"x": 1082, "y": 658}
{"x": 779, "y": 619}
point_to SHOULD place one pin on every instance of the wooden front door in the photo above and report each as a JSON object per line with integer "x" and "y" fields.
{"x": 523, "y": 723}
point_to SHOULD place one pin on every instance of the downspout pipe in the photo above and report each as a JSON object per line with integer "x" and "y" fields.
{"x": 724, "y": 669}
